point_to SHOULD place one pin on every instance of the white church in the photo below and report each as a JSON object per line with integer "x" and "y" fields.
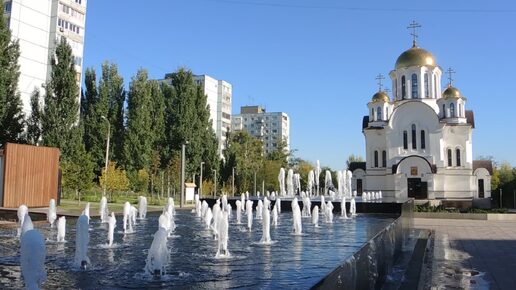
{"x": 420, "y": 143}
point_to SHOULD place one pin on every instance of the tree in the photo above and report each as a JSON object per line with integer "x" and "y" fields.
{"x": 139, "y": 136}
{"x": 353, "y": 158}
{"x": 34, "y": 121}
{"x": 115, "y": 179}
{"x": 11, "y": 107}
{"x": 505, "y": 173}
{"x": 61, "y": 101}
{"x": 139, "y": 181}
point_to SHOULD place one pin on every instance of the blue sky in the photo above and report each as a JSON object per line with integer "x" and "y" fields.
{"x": 317, "y": 60}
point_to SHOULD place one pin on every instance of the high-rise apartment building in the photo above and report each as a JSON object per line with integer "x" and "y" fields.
{"x": 271, "y": 128}
{"x": 38, "y": 25}
{"x": 219, "y": 98}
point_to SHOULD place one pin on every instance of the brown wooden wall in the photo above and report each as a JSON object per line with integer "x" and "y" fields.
{"x": 30, "y": 175}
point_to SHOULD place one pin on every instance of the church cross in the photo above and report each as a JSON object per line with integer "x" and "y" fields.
{"x": 380, "y": 78}
{"x": 414, "y": 26}
{"x": 450, "y": 72}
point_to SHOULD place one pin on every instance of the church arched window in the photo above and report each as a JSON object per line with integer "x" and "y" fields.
{"x": 372, "y": 114}
{"x": 375, "y": 158}
{"x": 427, "y": 92}
{"x": 405, "y": 140}
{"x": 423, "y": 145}
{"x": 414, "y": 137}
{"x": 452, "y": 110}
{"x": 460, "y": 111}
{"x": 384, "y": 158}
{"x": 435, "y": 86}
{"x": 449, "y": 157}
{"x": 457, "y": 155}
{"x": 444, "y": 111}
{"x": 403, "y": 88}
{"x": 396, "y": 89}
{"x": 414, "y": 86}
{"x": 379, "y": 113}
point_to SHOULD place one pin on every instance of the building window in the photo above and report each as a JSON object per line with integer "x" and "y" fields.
{"x": 427, "y": 92}
{"x": 457, "y": 155}
{"x": 379, "y": 113}
{"x": 414, "y": 86}
{"x": 384, "y": 158}
{"x": 449, "y": 158}
{"x": 403, "y": 88}
{"x": 396, "y": 88}
{"x": 423, "y": 145}
{"x": 414, "y": 142}
{"x": 452, "y": 110}
{"x": 8, "y": 6}
{"x": 460, "y": 111}
{"x": 375, "y": 158}
{"x": 405, "y": 140}
{"x": 372, "y": 114}
{"x": 444, "y": 111}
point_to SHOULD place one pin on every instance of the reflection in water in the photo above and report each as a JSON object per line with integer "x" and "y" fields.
{"x": 289, "y": 262}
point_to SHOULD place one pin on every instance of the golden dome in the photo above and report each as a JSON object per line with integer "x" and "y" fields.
{"x": 415, "y": 56}
{"x": 451, "y": 92}
{"x": 380, "y": 97}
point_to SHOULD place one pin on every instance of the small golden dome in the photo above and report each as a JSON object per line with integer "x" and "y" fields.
{"x": 451, "y": 92}
{"x": 380, "y": 97}
{"x": 415, "y": 56}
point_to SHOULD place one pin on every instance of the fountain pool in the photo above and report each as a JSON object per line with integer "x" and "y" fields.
{"x": 290, "y": 261}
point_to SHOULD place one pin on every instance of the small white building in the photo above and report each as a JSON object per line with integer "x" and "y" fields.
{"x": 420, "y": 143}
{"x": 270, "y": 127}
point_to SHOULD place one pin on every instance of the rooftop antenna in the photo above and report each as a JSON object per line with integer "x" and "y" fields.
{"x": 450, "y": 73}
{"x": 379, "y": 78}
{"x": 414, "y": 26}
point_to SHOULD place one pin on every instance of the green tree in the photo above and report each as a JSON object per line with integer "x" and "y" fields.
{"x": 61, "y": 101}
{"x": 34, "y": 121}
{"x": 11, "y": 113}
{"x": 115, "y": 179}
{"x": 139, "y": 136}
{"x": 505, "y": 173}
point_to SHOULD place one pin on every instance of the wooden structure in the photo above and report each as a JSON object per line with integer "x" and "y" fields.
{"x": 28, "y": 175}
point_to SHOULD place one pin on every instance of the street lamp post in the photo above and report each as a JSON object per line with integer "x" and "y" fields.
{"x": 107, "y": 154}
{"x": 215, "y": 182}
{"x": 200, "y": 181}
{"x": 233, "y": 180}
{"x": 181, "y": 194}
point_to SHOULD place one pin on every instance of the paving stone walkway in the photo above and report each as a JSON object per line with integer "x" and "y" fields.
{"x": 470, "y": 254}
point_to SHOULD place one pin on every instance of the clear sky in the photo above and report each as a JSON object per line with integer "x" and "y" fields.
{"x": 317, "y": 60}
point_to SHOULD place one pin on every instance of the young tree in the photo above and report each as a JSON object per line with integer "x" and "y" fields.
{"x": 115, "y": 179}
{"x": 61, "y": 101}
{"x": 112, "y": 84}
{"x": 34, "y": 121}
{"x": 11, "y": 113}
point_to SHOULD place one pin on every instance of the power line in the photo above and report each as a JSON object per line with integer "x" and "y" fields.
{"x": 360, "y": 9}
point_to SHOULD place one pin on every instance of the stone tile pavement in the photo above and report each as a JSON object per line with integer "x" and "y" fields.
{"x": 471, "y": 254}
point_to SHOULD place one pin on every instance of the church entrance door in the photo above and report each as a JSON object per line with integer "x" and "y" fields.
{"x": 415, "y": 188}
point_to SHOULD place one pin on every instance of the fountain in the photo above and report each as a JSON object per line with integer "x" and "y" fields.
{"x": 274, "y": 216}
{"x": 223, "y": 229}
{"x": 323, "y": 205}
{"x": 82, "y": 239}
{"x": 171, "y": 206}
{"x": 328, "y": 183}
{"x": 353, "y": 207}
{"x": 259, "y": 209}
{"x": 238, "y": 211}
{"x": 315, "y": 216}
{"x": 290, "y": 182}
{"x": 296, "y": 217}
{"x": 343, "y": 207}
{"x": 349, "y": 176}
{"x": 297, "y": 183}
{"x": 128, "y": 225}
{"x": 111, "y": 229}
{"x": 329, "y": 212}
{"x": 103, "y": 210}
{"x": 281, "y": 180}
{"x": 22, "y": 211}
{"x": 216, "y": 211}
{"x": 307, "y": 204}
{"x": 310, "y": 183}
{"x": 32, "y": 259}
{"x": 242, "y": 200}
{"x": 224, "y": 200}
{"x": 266, "y": 235}
{"x": 249, "y": 209}
{"x": 316, "y": 177}
{"x": 157, "y": 257}
{"x": 27, "y": 224}
{"x": 204, "y": 208}
{"x": 134, "y": 212}
{"x": 52, "y": 214}
{"x": 61, "y": 229}
{"x": 142, "y": 207}
{"x": 198, "y": 205}
{"x": 208, "y": 217}
{"x": 278, "y": 204}
{"x": 86, "y": 210}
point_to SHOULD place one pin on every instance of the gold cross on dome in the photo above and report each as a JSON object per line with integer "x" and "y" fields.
{"x": 450, "y": 73}
{"x": 414, "y": 26}
{"x": 379, "y": 78}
